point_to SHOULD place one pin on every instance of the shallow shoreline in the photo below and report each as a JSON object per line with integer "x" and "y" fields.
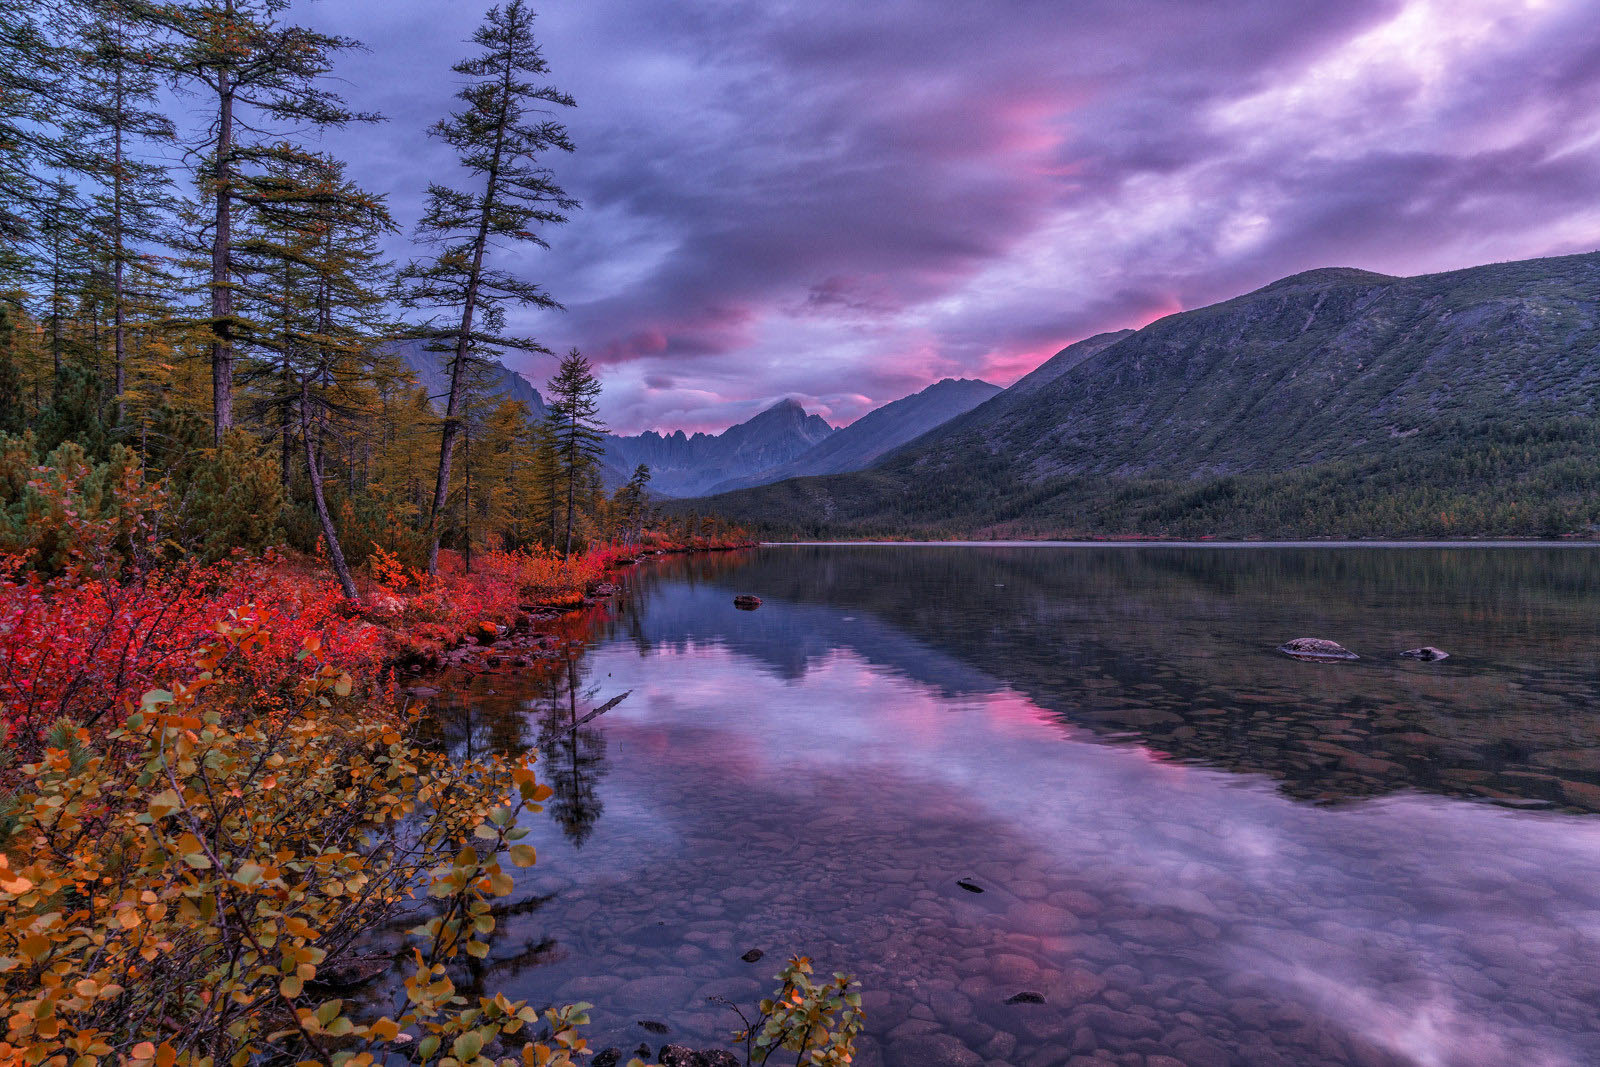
{"x": 1181, "y": 544}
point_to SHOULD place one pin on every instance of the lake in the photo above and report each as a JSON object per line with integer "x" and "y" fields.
{"x": 1195, "y": 850}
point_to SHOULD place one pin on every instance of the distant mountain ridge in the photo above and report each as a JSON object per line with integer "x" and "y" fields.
{"x": 687, "y": 465}
{"x": 876, "y": 433}
{"x": 434, "y": 375}
{"x": 1333, "y": 402}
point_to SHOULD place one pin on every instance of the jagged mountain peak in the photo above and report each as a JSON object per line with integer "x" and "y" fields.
{"x": 1330, "y": 402}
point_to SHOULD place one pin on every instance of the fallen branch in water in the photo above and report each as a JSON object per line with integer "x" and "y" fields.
{"x": 602, "y": 709}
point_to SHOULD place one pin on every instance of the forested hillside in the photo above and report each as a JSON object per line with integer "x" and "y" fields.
{"x": 1331, "y": 403}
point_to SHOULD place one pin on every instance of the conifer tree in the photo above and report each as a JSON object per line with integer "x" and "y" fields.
{"x": 575, "y": 424}
{"x": 630, "y": 505}
{"x": 544, "y": 477}
{"x": 500, "y": 138}
{"x": 31, "y": 72}
{"x": 62, "y": 263}
{"x": 113, "y": 125}
{"x": 316, "y": 271}
{"x": 252, "y": 72}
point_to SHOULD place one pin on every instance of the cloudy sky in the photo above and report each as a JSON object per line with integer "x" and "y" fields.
{"x": 842, "y": 201}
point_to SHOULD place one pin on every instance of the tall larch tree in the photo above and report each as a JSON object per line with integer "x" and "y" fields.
{"x": 501, "y": 137}
{"x": 254, "y": 74}
{"x": 32, "y": 70}
{"x": 115, "y": 122}
{"x": 316, "y": 270}
{"x": 579, "y": 434}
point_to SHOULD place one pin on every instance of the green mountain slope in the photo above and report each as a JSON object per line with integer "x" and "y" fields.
{"x": 1332, "y": 403}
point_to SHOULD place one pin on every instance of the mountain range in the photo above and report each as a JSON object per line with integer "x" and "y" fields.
{"x": 875, "y": 433}
{"x": 433, "y": 375}
{"x": 780, "y": 442}
{"x": 1336, "y": 402}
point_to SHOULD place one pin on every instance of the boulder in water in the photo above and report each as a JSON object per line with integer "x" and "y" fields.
{"x": 746, "y": 602}
{"x": 1315, "y": 648}
{"x": 1427, "y": 653}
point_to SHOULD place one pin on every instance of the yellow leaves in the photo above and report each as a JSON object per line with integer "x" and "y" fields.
{"x": 12, "y": 882}
{"x": 146, "y": 1052}
{"x": 231, "y": 851}
{"x": 467, "y": 1046}
{"x": 164, "y": 803}
{"x": 295, "y": 926}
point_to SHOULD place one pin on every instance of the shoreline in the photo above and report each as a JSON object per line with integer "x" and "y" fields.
{"x": 1157, "y": 543}
{"x": 505, "y": 643}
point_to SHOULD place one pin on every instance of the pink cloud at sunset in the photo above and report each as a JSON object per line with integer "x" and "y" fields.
{"x": 843, "y": 202}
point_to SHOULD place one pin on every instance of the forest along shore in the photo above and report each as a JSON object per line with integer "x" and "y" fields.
{"x": 533, "y": 632}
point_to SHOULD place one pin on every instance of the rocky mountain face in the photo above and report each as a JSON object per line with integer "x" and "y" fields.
{"x": 1294, "y": 393}
{"x": 878, "y": 432}
{"x": 433, "y": 374}
{"x": 687, "y": 465}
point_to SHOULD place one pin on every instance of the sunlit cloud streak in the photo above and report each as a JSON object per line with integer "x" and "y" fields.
{"x": 843, "y": 202}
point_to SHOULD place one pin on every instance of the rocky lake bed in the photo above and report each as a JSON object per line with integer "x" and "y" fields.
{"x": 1072, "y": 808}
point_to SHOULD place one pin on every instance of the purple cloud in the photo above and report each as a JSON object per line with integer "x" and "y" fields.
{"x": 843, "y": 202}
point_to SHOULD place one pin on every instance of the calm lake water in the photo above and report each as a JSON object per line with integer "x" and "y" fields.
{"x": 1197, "y": 851}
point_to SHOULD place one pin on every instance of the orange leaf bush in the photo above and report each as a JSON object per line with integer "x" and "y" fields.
{"x": 174, "y": 891}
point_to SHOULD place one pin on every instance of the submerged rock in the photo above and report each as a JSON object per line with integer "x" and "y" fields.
{"x": 1427, "y": 653}
{"x": 680, "y": 1056}
{"x": 747, "y": 602}
{"x": 654, "y": 1027}
{"x": 1315, "y": 648}
{"x": 752, "y": 956}
{"x": 351, "y": 972}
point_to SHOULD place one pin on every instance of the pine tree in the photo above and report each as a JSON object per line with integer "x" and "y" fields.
{"x": 254, "y": 73}
{"x": 630, "y": 504}
{"x": 31, "y": 73}
{"x": 311, "y": 262}
{"x": 499, "y": 138}
{"x": 113, "y": 125}
{"x": 579, "y": 434}
{"x": 544, "y": 478}
{"x": 62, "y": 263}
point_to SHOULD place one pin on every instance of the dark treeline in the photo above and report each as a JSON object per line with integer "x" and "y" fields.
{"x": 198, "y": 321}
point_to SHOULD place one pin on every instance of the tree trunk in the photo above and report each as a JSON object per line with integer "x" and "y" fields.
{"x": 572, "y": 484}
{"x": 286, "y": 432}
{"x": 221, "y": 255}
{"x": 466, "y": 503}
{"x": 314, "y": 472}
{"x": 118, "y": 183}
{"x": 451, "y": 429}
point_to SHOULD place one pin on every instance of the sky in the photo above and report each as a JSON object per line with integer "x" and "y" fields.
{"x": 842, "y": 202}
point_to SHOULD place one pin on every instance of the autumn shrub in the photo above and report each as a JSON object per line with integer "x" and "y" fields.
{"x": 80, "y": 645}
{"x": 817, "y": 1021}
{"x": 193, "y": 887}
{"x": 175, "y": 892}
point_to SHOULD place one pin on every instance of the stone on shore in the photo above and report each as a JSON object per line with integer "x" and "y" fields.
{"x": 1316, "y": 648}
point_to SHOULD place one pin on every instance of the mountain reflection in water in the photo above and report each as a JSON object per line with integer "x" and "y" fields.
{"x": 1191, "y": 846}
